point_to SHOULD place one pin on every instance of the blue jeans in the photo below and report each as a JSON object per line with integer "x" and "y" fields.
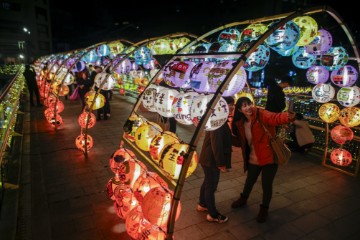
{"x": 208, "y": 188}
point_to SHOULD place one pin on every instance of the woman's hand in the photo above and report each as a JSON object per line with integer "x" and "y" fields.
{"x": 291, "y": 116}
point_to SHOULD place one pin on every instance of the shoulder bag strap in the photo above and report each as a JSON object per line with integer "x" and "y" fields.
{"x": 267, "y": 132}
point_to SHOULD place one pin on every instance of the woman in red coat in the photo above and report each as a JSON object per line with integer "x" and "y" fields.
{"x": 258, "y": 156}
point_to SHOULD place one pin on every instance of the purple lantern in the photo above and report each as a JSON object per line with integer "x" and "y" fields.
{"x": 102, "y": 50}
{"x": 321, "y": 44}
{"x": 199, "y": 76}
{"x": 317, "y": 74}
{"x": 180, "y": 73}
{"x": 345, "y": 76}
{"x": 168, "y": 73}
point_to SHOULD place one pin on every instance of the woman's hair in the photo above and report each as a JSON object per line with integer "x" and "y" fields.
{"x": 239, "y": 115}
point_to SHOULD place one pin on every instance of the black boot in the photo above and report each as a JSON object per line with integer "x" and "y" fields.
{"x": 240, "y": 202}
{"x": 263, "y": 214}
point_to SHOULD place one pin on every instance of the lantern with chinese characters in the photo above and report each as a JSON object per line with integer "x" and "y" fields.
{"x": 125, "y": 200}
{"x": 135, "y": 223}
{"x": 335, "y": 58}
{"x": 158, "y": 143}
{"x": 145, "y": 183}
{"x": 285, "y": 37}
{"x": 80, "y": 142}
{"x": 144, "y": 135}
{"x": 288, "y": 52}
{"x": 156, "y": 206}
{"x": 102, "y": 50}
{"x": 99, "y": 101}
{"x": 172, "y": 159}
{"x": 129, "y": 171}
{"x": 86, "y": 118}
{"x": 199, "y": 76}
{"x": 153, "y": 232}
{"x": 302, "y": 59}
{"x": 148, "y": 97}
{"x": 350, "y": 116}
{"x": 253, "y": 31}
{"x": 258, "y": 59}
{"x": 308, "y": 29}
{"x": 181, "y": 107}
{"x": 163, "y": 101}
{"x": 180, "y": 73}
{"x": 340, "y": 157}
{"x": 142, "y": 55}
{"x": 218, "y": 116}
{"x": 348, "y": 96}
{"x": 57, "y": 105}
{"x": 104, "y": 81}
{"x": 117, "y": 158}
{"x": 110, "y": 187}
{"x": 116, "y": 47}
{"x": 323, "y": 92}
{"x": 229, "y": 36}
{"x": 317, "y": 74}
{"x": 345, "y": 76}
{"x": 329, "y": 112}
{"x": 321, "y": 43}
{"x": 340, "y": 134}
{"x": 131, "y": 125}
{"x": 123, "y": 67}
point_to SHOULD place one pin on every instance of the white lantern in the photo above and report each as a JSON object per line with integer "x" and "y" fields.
{"x": 348, "y": 96}
{"x": 323, "y": 92}
{"x": 317, "y": 74}
{"x": 163, "y": 101}
{"x": 148, "y": 97}
{"x": 104, "y": 79}
{"x": 199, "y": 76}
{"x": 181, "y": 107}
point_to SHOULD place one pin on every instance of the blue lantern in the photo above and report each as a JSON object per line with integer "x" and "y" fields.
{"x": 335, "y": 58}
{"x": 142, "y": 55}
{"x": 229, "y": 36}
{"x": 288, "y": 52}
{"x": 302, "y": 59}
{"x": 284, "y": 38}
{"x": 102, "y": 50}
{"x": 90, "y": 57}
{"x": 258, "y": 59}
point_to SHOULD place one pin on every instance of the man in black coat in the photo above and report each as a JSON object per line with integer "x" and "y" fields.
{"x": 30, "y": 77}
{"x": 276, "y": 97}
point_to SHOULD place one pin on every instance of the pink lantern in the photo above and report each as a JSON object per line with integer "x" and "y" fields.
{"x": 181, "y": 107}
{"x": 321, "y": 43}
{"x": 317, "y": 74}
{"x": 145, "y": 183}
{"x": 180, "y": 73}
{"x": 345, "y": 76}
{"x": 163, "y": 101}
{"x": 199, "y": 76}
{"x": 323, "y": 92}
{"x": 340, "y": 134}
{"x": 135, "y": 223}
{"x": 340, "y": 157}
{"x": 129, "y": 171}
{"x": 158, "y": 143}
{"x": 125, "y": 200}
{"x": 348, "y": 96}
{"x": 80, "y": 142}
{"x": 350, "y": 116}
{"x": 83, "y": 119}
{"x": 156, "y": 206}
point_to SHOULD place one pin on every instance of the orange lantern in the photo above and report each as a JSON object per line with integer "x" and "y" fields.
{"x": 153, "y": 232}
{"x": 83, "y": 119}
{"x": 350, "y": 116}
{"x": 145, "y": 183}
{"x": 99, "y": 101}
{"x": 340, "y": 157}
{"x": 329, "y": 112}
{"x": 110, "y": 188}
{"x": 340, "y": 134}
{"x": 49, "y": 100}
{"x": 129, "y": 171}
{"x": 80, "y": 142}
{"x": 156, "y": 206}
{"x": 59, "y": 106}
{"x": 144, "y": 135}
{"x": 125, "y": 200}
{"x": 63, "y": 90}
{"x": 55, "y": 121}
{"x": 159, "y": 141}
{"x": 118, "y": 157}
{"x": 135, "y": 222}
{"x": 49, "y": 114}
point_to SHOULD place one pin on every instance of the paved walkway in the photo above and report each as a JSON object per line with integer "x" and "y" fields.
{"x": 63, "y": 194}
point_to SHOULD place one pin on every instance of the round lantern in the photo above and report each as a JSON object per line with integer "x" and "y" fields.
{"x": 123, "y": 67}
{"x": 131, "y": 125}
{"x": 80, "y": 142}
{"x": 199, "y": 76}
{"x": 158, "y": 143}
{"x": 236, "y": 84}
{"x": 69, "y": 79}
{"x": 145, "y": 183}
{"x": 102, "y": 50}
{"x": 284, "y": 38}
{"x": 116, "y": 47}
{"x": 86, "y": 118}
{"x": 350, "y": 116}
{"x": 172, "y": 159}
{"x": 57, "y": 105}
{"x": 335, "y": 58}
{"x": 156, "y": 206}
{"x": 129, "y": 171}
{"x": 48, "y": 113}
{"x": 90, "y": 57}
{"x": 139, "y": 77}
{"x": 323, "y": 92}
{"x": 229, "y": 36}
{"x": 79, "y": 66}
{"x": 135, "y": 223}
{"x": 99, "y": 101}
{"x": 104, "y": 81}
{"x": 321, "y": 43}
{"x": 161, "y": 46}
{"x": 329, "y": 112}
{"x": 288, "y": 52}
{"x": 118, "y": 157}
{"x": 340, "y": 134}
{"x": 153, "y": 232}
{"x": 163, "y": 101}
{"x": 142, "y": 55}
{"x": 180, "y": 73}
{"x": 302, "y": 59}
{"x": 168, "y": 74}
{"x": 219, "y": 114}
{"x": 63, "y": 90}
{"x": 308, "y": 29}
{"x": 148, "y": 97}
{"x": 181, "y": 105}
{"x": 258, "y": 59}
{"x": 253, "y": 31}
{"x": 125, "y": 200}
{"x": 144, "y": 135}
{"x": 317, "y": 74}
{"x": 49, "y": 100}
{"x": 348, "y": 96}
{"x": 345, "y": 76}
{"x": 110, "y": 187}
{"x": 341, "y": 157}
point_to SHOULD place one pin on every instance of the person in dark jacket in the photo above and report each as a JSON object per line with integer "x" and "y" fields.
{"x": 30, "y": 77}
{"x": 276, "y": 97}
{"x": 84, "y": 84}
{"x": 215, "y": 157}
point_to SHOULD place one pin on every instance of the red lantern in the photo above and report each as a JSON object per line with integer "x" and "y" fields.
{"x": 110, "y": 188}
{"x": 340, "y": 134}
{"x": 129, "y": 171}
{"x": 55, "y": 121}
{"x": 125, "y": 200}
{"x": 340, "y": 157}
{"x": 80, "y": 142}
{"x": 59, "y": 106}
{"x": 145, "y": 183}
{"x": 49, "y": 100}
{"x": 118, "y": 157}
{"x": 135, "y": 223}
{"x": 153, "y": 232}
{"x": 83, "y": 119}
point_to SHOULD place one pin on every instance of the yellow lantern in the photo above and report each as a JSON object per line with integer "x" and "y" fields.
{"x": 329, "y": 112}
{"x": 253, "y": 31}
{"x": 99, "y": 101}
{"x": 116, "y": 47}
{"x": 244, "y": 94}
{"x": 145, "y": 133}
{"x": 172, "y": 159}
{"x": 61, "y": 90}
{"x": 131, "y": 125}
{"x": 159, "y": 141}
{"x": 350, "y": 116}
{"x": 308, "y": 29}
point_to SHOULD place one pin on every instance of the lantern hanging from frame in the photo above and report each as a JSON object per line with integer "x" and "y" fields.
{"x": 231, "y": 35}
{"x": 341, "y": 157}
{"x": 105, "y": 81}
{"x": 181, "y": 105}
{"x": 142, "y": 55}
{"x": 57, "y": 105}
{"x": 323, "y": 92}
{"x": 168, "y": 74}
{"x": 317, "y": 74}
{"x": 199, "y": 76}
{"x": 258, "y": 59}
{"x": 335, "y": 58}
{"x": 308, "y": 29}
{"x": 302, "y": 59}
{"x": 148, "y": 97}
{"x": 163, "y": 101}
{"x": 79, "y": 66}
{"x": 329, "y": 112}
{"x": 283, "y": 38}
{"x": 116, "y": 47}
{"x": 345, "y": 76}
{"x": 348, "y": 96}
{"x": 289, "y": 52}
{"x": 129, "y": 171}
{"x": 80, "y": 142}
{"x": 99, "y": 101}
{"x": 102, "y": 50}
{"x": 135, "y": 223}
{"x": 90, "y": 57}
{"x": 119, "y": 156}
{"x": 161, "y": 46}
{"x": 145, "y": 133}
{"x": 55, "y": 121}
{"x": 159, "y": 142}
{"x": 125, "y": 200}
{"x": 83, "y": 120}
{"x": 180, "y": 73}
{"x": 350, "y": 116}
{"x": 110, "y": 187}
{"x": 145, "y": 183}
{"x": 253, "y": 31}
{"x": 123, "y": 67}
{"x": 61, "y": 90}
{"x": 131, "y": 125}
{"x": 49, "y": 100}
{"x": 139, "y": 77}
{"x": 321, "y": 43}
{"x": 341, "y": 134}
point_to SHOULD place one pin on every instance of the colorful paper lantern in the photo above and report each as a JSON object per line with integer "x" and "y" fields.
{"x": 340, "y": 134}
{"x": 139, "y": 77}
{"x": 323, "y": 92}
{"x": 145, "y": 183}
{"x": 123, "y": 67}
{"x": 91, "y": 56}
{"x": 168, "y": 74}
{"x": 144, "y": 135}
{"x": 335, "y": 58}
{"x": 87, "y": 118}
{"x": 158, "y": 143}
{"x": 321, "y": 43}
{"x": 181, "y": 105}
{"x": 329, "y": 112}
{"x": 80, "y": 142}
{"x": 348, "y": 96}
{"x": 341, "y": 157}
{"x": 258, "y": 59}
{"x": 288, "y": 52}
{"x": 79, "y": 66}
{"x": 317, "y": 74}
{"x": 180, "y": 73}
{"x": 116, "y": 47}
{"x": 104, "y": 81}
{"x": 218, "y": 116}
{"x": 148, "y": 97}
{"x": 102, "y": 50}
{"x": 117, "y": 158}
{"x": 131, "y": 125}
{"x": 172, "y": 159}
{"x": 135, "y": 223}
{"x": 285, "y": 37}
{"x": 62, "y": 90}
{"x": 199, "y": 76}
{"x": 345, "y": 76}
{"x": 161, "y": 46}
{"x": 303, "y": 59}
{"x": 129, "y": 171}
{"x": 163, "y": 101}
{"x": 125, "y": 200}
{"x": 57, "y": 105}
{"x": 229, "y": 36}
{"x": 90, "y": 98}
{"x": 142, "y": 55}
{"x": 308, "y": 29}
{"x": 350, "y": 117}
{"x": 110, "y": 187}
{"x": 153, "y": 232}
{"x": 49, "y": 100}
{"x": 156, "y": 206}
{"x": 253, "y": 31}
